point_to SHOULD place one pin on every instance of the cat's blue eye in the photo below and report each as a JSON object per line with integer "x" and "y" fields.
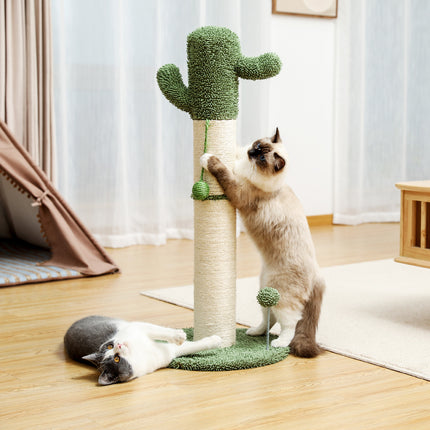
{"x": 262, "y": 158}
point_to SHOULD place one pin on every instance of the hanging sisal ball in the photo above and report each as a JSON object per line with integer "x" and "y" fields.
{"x": 268, "y": 297}
{"x": 200, "y": 190}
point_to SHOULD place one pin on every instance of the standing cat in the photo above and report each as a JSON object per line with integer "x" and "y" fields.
{"x": 123, "y": 350}
{"x": 275, "y": 220}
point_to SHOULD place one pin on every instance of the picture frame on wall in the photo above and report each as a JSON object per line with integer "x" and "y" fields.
{"x": 311, "y": 8}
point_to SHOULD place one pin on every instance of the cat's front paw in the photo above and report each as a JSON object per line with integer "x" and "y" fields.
{"x": 179, "y": 337}
{"x": 216, "y": 341}
{"x": 204, "y": 159}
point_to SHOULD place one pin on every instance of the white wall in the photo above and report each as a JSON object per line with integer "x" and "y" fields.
{"x": 302, "y": 105}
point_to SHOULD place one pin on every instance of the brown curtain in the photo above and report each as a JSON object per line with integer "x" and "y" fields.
{"x": 26, "y": 84}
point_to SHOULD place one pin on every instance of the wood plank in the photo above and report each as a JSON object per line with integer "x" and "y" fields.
{"x": 414, "y": 261}
{"x": 403, "y": 221}
{"x": 420, "y": 186}
{"x": 423, "y": 226}
{"x": 414, "y": 195}
{"x": 427, "y": 238}
{"x": 417, "y": 253}
{"x": 414, "y": 231}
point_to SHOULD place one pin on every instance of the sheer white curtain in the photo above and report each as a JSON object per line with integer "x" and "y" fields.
{"x": 124, "y": 152}
{"x": 383, "y": 106}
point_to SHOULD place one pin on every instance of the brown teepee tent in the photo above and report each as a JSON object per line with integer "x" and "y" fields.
{"x": 40, "y": 237}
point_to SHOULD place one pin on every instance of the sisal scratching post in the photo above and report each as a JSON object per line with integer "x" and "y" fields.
{"x": 214, "y": 240}
{"x": 215, "y": 64}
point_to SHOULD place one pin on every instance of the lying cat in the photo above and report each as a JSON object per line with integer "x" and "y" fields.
{"x": 275, "y": 220}
{"x": 123, "y": 350}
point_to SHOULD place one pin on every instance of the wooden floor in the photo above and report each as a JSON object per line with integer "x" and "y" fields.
{"x": 41, "y": 389}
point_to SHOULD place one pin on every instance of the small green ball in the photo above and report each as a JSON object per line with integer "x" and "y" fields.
{"x": 268, "y": 297}
{"x": 200, "y": 190}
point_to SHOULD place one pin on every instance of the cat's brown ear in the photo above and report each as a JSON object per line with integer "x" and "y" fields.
{"x": 276, "y": 138}
{"x": 279, "y": 162}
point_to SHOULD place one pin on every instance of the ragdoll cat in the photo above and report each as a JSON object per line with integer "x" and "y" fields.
{"x": 123, "y": 350}
{"x": 275, "y": 220}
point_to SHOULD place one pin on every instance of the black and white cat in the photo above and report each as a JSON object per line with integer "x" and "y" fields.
{"x": 124, "y": 350}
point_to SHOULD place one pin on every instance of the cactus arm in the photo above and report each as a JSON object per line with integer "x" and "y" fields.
{"x": 172, "y": 86}
{"x": 262, "y": 67}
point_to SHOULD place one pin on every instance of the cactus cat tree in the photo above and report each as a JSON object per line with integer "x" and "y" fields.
{"x": 215, "y": 64}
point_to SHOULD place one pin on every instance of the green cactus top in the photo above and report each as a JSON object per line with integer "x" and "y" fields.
{"x": 215, "y": 64}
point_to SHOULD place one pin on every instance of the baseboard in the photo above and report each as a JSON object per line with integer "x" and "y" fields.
{"x": 317, "y": 220}
{"x": 413, "y": 261}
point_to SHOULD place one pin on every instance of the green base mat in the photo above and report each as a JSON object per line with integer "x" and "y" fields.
{"x": 247, "y": 353}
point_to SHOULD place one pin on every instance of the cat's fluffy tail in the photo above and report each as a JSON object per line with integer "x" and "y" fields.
{"x": 304, "y": 343}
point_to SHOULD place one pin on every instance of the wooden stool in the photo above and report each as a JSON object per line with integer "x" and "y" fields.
{"x": 415, "y": 223}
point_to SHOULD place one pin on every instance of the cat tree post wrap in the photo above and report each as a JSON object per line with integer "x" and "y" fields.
{"x": 214, "y": 240}
{"x": 215, "y": 64}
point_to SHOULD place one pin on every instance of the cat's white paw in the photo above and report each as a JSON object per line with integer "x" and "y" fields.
{"x": 279, "y": 343}
{"x": 256, "y": 331}
{"x": 179, "y": 337}
{"x": 204, "y": 159}
{"x": 216, "y": 341}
